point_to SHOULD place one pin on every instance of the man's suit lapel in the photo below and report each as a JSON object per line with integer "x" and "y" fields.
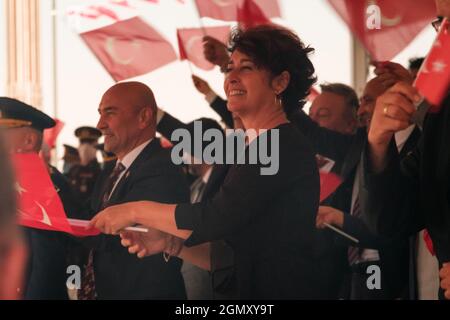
{"x": 218, "y": 174}
{"x": 151, "y": 149}
{"x": 99, "y": 189}
{"x": 411, "y": 142}
{"x": 354, "y": 155}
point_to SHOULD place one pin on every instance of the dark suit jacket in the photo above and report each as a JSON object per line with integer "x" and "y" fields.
{"x": 118, "y": 274}
{"x": 415, "y": 194}
{"x": 219, "y": 105}
{"x": 332, "y": 251}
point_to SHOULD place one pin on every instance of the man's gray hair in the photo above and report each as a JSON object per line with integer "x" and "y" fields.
{"x": 345, "y": 91}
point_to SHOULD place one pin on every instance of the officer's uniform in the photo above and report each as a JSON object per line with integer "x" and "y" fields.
{"x": 82, "y": 177}
{"x": 70, "y": 158}
{"x": 46, "y": 269}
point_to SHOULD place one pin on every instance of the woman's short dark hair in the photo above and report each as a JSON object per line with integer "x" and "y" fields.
{"x": 7, "y": 191}
{"x": 278, "y": 49}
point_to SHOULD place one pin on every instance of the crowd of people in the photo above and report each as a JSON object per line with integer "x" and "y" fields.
{"x": 226, "y": 231}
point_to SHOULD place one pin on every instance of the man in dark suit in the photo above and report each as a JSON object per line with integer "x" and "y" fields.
{"x": 143, "y": 171}
{"x": 405, "y": 197}
{"x": 342, "y": 255}
{"x": 46, "y": 271}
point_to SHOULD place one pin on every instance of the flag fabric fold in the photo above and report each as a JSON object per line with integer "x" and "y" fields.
{"x": 385, "y": 27}
{"x": 226, "y": 10}
{"x": 39, "y": 204}
{"x": 433, "y": 78}
{"x": 129, "y": 48}
{"x": 190, "y": 43}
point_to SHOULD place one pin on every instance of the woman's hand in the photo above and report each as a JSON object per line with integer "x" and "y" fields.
{"x": 444, "y": 274}
{"x": 148, "y": 243}
{"x": 329, "y": 215}
{"x": 116, "y": 218}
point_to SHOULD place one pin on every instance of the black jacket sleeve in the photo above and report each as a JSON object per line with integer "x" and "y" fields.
{"x": 326, "y": 142}
{"x": 219, "y": 105}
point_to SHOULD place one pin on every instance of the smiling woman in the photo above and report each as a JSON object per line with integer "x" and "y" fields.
{"x": 268, "y": 220}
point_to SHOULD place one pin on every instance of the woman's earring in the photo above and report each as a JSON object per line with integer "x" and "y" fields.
{"x": 278, "y": 100}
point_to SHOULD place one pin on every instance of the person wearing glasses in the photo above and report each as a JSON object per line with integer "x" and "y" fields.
{"x": 405, "y": 197}
{"x": 268, "y": 220}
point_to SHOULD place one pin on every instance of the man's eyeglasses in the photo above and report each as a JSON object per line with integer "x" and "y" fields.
{"x": 437, "y": 23}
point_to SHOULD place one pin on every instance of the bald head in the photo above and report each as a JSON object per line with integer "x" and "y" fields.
{"x": 136, "y": 94}
{"x": 127, "y": 117}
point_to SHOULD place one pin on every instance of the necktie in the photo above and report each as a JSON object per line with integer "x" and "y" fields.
{"x": 197, "y": 188}
{"x": 354, "y": 252}
{"x": 87, "y": 290}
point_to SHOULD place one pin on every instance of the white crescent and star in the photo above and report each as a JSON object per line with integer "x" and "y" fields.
{"x": 388, "y": 22}
{"x": 191, "y": 42}
{"x": 19, "y": 189}
{"x": 439, "y": 66}
{"x": 111, "y": 49}
{"x": 45, "y": 217}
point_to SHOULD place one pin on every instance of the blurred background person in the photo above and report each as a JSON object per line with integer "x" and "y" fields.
{"x": 46, "y": 270}
{"x": 83, "y": 176}
{"x": 13, "y": 251}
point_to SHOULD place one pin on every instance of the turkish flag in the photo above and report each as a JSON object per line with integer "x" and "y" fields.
{"x": 250, "y": 15}
{"x": 433, "y": 78}
{"x": 226, "y": 10}
{"x": 50, "y": 135}
{"x": 190, "y": 43}
{"x": 385, "y": 27}
{"x": 329, "y": 182}
{"x": 39, "y": 204}
{"x": 129, "y": 48}
{"x": 95, "y": 12}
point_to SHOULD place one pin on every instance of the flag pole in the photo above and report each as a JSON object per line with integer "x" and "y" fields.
{"x": 190, "y": 67}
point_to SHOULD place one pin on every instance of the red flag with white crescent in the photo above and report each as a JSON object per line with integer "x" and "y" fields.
{"x": 385, "y": 27}
{"x": 250, "y": 15}
{"x": 190, "y": 43}
{"x": 129, "y": 48}
{"x": 39, "y": 204}
{"x": 433, "y": 78}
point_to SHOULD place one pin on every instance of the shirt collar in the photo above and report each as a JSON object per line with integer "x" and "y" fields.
{"x": 129, "y": 158}
{"x": 207, "y": 174}
{"x": 402, "y": 136}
